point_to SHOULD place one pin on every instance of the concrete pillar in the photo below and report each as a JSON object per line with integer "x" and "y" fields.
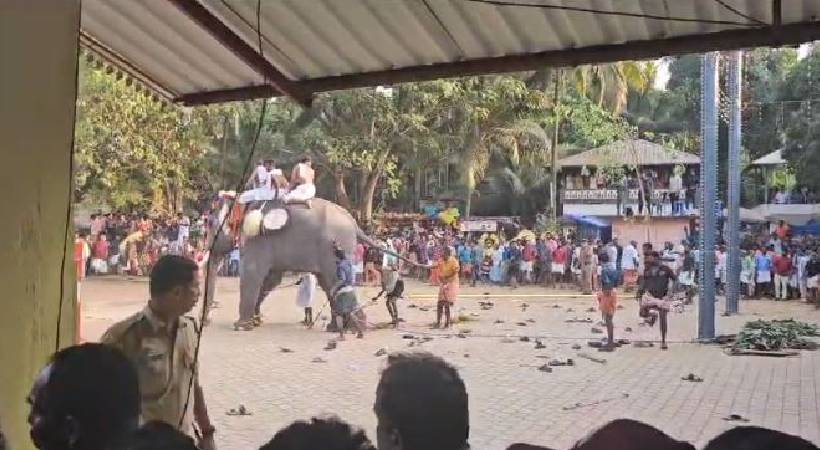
{"x": 38, "y": 87}
{"x": 708, "y": 184}
{"x": 733, "y": 194}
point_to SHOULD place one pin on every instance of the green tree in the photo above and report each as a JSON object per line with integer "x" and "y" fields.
{"x": 132, "y": 151}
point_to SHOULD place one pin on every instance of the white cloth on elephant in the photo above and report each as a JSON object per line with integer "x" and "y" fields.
{"x": 259, "y": 195}
{"x": 301, "y": 193}
{"x": 307, "y": 290}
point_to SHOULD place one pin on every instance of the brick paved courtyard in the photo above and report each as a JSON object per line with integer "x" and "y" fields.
{"x": 510, "y": 399}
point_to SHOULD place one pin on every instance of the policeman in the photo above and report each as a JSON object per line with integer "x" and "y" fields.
{"x": 160, "y": 343}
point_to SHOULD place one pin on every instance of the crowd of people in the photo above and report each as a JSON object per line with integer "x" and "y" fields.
{"x": 130, "y": 244}
{"x": 146, "y": 398}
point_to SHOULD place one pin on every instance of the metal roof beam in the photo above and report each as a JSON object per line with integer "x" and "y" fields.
{"x": 280, "y": 84}
{"x": 792, "y": 34}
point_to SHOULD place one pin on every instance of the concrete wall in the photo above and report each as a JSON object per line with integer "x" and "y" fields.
{"x": 38, "y": 63}
{"x": 656, "y": 231}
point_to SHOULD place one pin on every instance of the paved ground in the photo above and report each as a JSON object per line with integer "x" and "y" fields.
{"x": 510, "y": 400}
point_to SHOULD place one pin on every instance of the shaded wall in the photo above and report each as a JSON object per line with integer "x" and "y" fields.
{"x": 656, "y": 231}
{"x": 38, "y": 50}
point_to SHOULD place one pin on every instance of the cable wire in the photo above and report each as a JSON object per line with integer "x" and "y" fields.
{"x": 612, "y": 13}
{"x": 738, "y": 13}
{"x": 219, "y": 230}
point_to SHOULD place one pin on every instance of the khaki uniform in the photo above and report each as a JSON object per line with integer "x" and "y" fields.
{"x": 164, "y": 363}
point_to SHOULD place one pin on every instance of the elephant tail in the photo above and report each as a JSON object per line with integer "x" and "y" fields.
{"x": 362, "y": 237}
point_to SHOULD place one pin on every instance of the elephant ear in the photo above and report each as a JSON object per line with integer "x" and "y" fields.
{"x": 275, "y": 219}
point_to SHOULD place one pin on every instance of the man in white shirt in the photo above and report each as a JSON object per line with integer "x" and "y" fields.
{"x": 629, "y": 263}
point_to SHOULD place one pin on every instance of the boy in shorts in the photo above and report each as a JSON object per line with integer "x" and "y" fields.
{"x": 608, "y": 298}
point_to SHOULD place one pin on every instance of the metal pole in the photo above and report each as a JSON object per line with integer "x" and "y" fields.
{"x": 708, "y": 188}
{"x": 733, "y": 194}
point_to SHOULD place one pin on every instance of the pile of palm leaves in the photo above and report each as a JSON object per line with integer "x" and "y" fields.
{"x": 776, "y": 335}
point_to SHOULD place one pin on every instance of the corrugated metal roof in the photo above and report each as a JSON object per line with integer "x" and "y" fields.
{"x": 774, "y": 158}
{"x": 629, "y": 152}
{"x": 316, "y": 39}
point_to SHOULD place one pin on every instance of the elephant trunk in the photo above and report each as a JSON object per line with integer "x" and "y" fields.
{"x": 362, "y": 237}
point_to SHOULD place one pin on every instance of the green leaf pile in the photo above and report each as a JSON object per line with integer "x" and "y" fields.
{"x": 776, "y": 335}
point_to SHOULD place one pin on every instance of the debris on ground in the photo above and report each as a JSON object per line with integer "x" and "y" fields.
{"x": 576, "y": 346}
{"x": 556, "y": 305}
{"x": 486, "y": 305}
{"x": 596, "y": 330}
{"x": 693, "y": 378}
{"x": 424, "y": 308}
{"x": 521, "y": 324}
{"x": 595, "y": 403}
{"x": 642, "y": 344}
{"x": 331, "y": 345}
{"x": 381, "y": 352}
{"x": 407, "y": 336}
{"x": 545, "y": 368}
{"x": 590, "y": 309}
{"x": 239, "y": 411}
{"x": 498, "y": 321}
{"x": 735, "y": 418}
{"x": 539, "y": 345}
{"x": 592, "y": 358}
{"x": 570, "y": 310}
{"x": 560, "y": 363}
{"x": 577, "y": 320}
{"x": 412, "y": 305}
{"x": 285, "y": 350}
{"x": 776, "y": 335}
{"x": 466, "y": 355}
{"x": 620, "y": 307}
{"x": 462, "y": 335}
{"x": 524, "y": 339}
{"x": 530, "y": 320}
{"x": 318, "y": 359}
{"x": 628, "y": 329}
{"x": 466, "y": 318}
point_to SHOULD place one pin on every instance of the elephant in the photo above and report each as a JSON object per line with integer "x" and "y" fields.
{"x": 305, "y": 243}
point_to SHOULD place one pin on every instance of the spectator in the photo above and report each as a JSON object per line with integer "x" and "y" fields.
{"x": 158, "y": 436}
{"x": 781, "y": 197}
{"x": 86, "y": 398}
{"x": 626, "y": 434}
{"x": 319, "y": 434}
{"x": 756, "y": 438}
{"x": 782, "y": 272}
{"x": 763, "y": 273}
{"x": 233, "y": 262}
{"x": 421, "y": 404}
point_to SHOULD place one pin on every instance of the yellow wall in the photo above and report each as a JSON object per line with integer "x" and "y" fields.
{"x": 38, "y": 61}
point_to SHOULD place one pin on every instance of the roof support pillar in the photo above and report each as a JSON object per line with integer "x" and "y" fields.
{"x": 708, "y": 188}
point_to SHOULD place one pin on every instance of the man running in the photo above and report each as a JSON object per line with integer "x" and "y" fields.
{"x": 653, "y": 293}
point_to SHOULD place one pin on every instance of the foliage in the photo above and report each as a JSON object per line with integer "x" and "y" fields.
{"x": 132, "y": 151}
{"x": 775, "y": 335}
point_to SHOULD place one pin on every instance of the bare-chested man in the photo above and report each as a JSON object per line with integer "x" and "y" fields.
{"x": 653, "y": 292}
{"x": 302, "y": 187}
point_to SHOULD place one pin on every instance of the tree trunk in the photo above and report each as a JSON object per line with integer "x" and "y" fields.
{"x": 366, "y": 203}
{"x": 341, "y": 191}
{"x": 559, "y": 77}
{"x": 470, "y": 170}
{"x": 416, "y": 188}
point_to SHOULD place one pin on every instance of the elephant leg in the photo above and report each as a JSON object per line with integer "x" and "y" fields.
{"x": 210, "y": 291}
{"x": 326, "y": 281}
{"x": 268, "y": 284}
{"x": 250, "y": 286}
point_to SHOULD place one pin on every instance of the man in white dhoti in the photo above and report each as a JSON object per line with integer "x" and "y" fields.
{"x": 301, "y": 180}
{"x": 268, "y": 182}
{"x": 304, "y": 296}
